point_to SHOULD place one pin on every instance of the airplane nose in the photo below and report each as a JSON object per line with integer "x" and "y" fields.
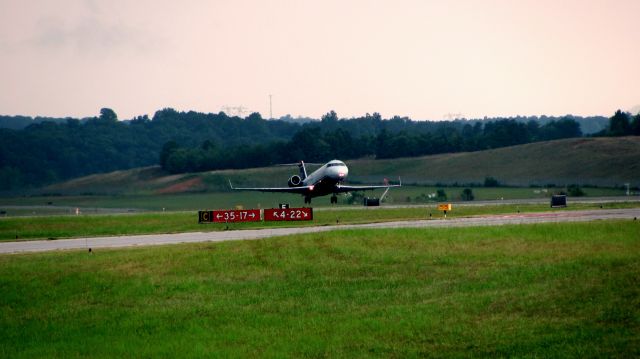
{"x": 339, "y": 172}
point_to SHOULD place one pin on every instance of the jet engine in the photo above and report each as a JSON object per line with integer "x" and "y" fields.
{"x": 295, "y": 181}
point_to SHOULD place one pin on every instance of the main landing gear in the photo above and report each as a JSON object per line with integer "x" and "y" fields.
{"x": 307, "y": 200}
{"x": 334, "y": 199}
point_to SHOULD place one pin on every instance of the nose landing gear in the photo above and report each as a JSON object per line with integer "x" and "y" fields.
{"x": 334, "y": 199}
{"x": 307, "y": 200}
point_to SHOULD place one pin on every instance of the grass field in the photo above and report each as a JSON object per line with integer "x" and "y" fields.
{"x": 55, "y": 227}
{"x": 547, "y": 290}
{"x": 595, "y": 161}
{"x": 218, "y": 200}
{"x": 605, "y": 162}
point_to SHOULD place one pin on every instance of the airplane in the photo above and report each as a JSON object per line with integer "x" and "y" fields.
{"x": 327, "y": 179}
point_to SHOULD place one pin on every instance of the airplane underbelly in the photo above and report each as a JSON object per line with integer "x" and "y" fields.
{"x": 323, "y": 188}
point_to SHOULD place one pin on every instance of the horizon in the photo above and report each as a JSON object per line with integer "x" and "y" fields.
{"x": 424, "y": 60}
{"x": 150, "y": 116}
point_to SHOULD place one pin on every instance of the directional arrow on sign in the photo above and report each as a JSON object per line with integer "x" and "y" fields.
{"x": 291, "y": 214}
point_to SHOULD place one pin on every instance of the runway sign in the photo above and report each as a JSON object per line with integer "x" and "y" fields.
{"x": 444, "y": 207}
{"x": 229, "y": 216}
{"x": 288, "y": 214}
{"x": 205, "y": 216}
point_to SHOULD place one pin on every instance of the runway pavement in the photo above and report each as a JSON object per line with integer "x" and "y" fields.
{"x": 160, "y": 239}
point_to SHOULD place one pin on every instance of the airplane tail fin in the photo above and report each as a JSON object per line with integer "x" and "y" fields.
{"x": 303, "y": 170}
{"x": 302, "y": 166}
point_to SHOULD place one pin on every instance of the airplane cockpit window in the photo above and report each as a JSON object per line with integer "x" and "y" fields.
{"x": 335, "y": 164}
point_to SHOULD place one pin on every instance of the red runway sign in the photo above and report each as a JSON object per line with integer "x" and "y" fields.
{"x": 288, "y": 214}
{"x": 229, "y": 216}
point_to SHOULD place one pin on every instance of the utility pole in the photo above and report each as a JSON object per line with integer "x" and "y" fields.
{"x": 270, "y": 108}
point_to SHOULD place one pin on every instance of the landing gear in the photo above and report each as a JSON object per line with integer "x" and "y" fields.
{"x": 307, "y": 200}
{"x": 334, "y": 199}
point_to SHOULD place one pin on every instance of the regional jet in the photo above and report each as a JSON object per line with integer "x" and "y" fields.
{"x": 327, "y": 179}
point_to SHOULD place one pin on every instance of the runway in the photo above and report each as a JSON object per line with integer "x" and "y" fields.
{"x": 161, "y": 239}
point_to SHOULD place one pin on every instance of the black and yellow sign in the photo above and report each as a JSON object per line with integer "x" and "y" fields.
{"x": 205, "y": 216}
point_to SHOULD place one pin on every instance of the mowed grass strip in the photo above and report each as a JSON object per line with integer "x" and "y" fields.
{"x": 56, "y": 227}
{"x": 407, "y": 194}
{"x": 545, "y": 290}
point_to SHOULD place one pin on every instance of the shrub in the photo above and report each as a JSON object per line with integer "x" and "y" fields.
{"x": 467, "y": 194}
{"x": 491, "y": 182}
{"x": 575, "y": 191}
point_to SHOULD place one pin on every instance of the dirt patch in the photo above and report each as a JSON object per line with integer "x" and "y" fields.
{"x": 190, "y": 185}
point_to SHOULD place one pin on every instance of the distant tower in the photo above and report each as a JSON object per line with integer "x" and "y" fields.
{"x": 270, "y": 108}
{"x": 453, "y": 116}
{"x": 235, "y": 110}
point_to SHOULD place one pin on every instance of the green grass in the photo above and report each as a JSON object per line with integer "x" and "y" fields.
{"x": 595, "y": 161}
{"x": 217, "y": 200}
{"x": 55, "y": 227}
{"x": 604, "y": 162}
{"x": 546, "y": 290}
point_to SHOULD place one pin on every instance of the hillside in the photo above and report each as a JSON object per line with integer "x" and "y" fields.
{"x": 586, "y": 161}
{"x": 53, "y": 150}
{"x": 609, "y": 161}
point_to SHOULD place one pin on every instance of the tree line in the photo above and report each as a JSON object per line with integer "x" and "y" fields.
{"x": 333, "y": 138}
{"x": 49, "y": 150}
{"x": 622, "y": 124}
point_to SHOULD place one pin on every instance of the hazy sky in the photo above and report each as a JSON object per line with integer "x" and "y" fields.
{"x": 421, "y": 59}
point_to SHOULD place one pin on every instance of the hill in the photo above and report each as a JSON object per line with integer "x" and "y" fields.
{"x": 50, "y": 150}
{"x": 607, "y": 161}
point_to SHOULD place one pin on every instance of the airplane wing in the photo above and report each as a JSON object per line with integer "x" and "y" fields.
{"x": 300, "y": 190}
{"x": 345, "y": 188}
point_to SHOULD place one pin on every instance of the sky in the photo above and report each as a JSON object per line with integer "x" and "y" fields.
{"x": 422, "y": 59}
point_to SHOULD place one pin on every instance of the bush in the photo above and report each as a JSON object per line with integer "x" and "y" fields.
{"x": 491, "y": 182}
{"x": 575, "y": 191}
{"x": 467, "y": 194}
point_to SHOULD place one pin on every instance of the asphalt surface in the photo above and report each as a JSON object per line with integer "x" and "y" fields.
{"x": 161, "y": 239}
